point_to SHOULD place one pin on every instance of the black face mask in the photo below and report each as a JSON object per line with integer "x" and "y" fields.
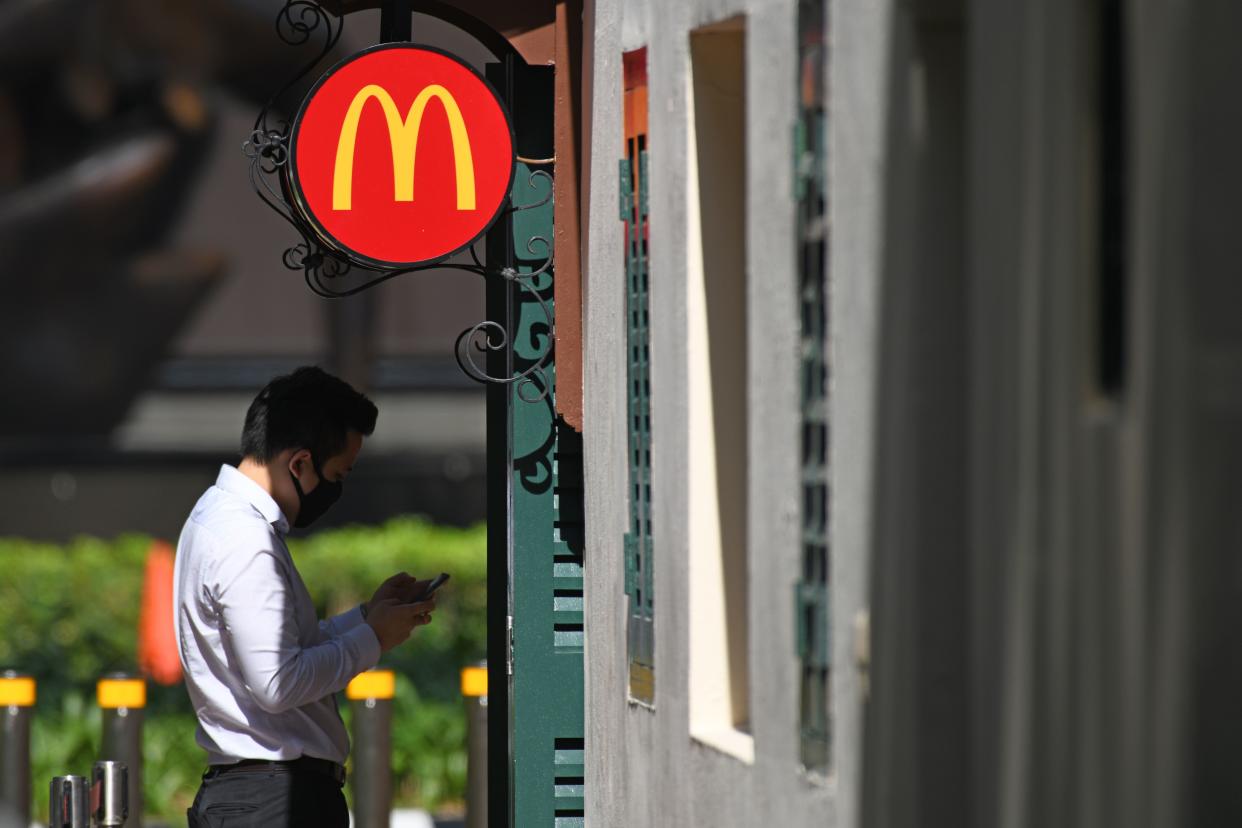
{"x": 312, "y": 506}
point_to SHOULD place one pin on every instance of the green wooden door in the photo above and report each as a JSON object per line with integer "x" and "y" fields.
{"x": 535, "y": 524}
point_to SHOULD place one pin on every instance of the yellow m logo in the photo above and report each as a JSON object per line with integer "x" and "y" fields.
{"x": 403, "y": 138}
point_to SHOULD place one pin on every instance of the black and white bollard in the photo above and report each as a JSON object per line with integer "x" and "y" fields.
{"x": 17, "y": 698}
{"x": 474, "y": 693}
{"x": 122, "y": 698}
{"x": 68, "y": 802}
{"x": 370, "y": 695}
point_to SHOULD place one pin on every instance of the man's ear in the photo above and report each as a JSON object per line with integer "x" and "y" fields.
{"x": 300, "y": 462}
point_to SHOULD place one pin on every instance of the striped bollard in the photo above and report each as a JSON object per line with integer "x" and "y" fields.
{"x": 17, "y": 698}
{"x": 370, "y": 695}
{"x": 474, "y": 692}
{"x": 122, "y": 698}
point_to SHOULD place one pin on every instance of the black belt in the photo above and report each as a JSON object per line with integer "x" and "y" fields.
{"x": 302, "y": 763}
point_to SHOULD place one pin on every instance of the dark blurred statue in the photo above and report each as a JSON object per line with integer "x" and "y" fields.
{"x": 105, "y": 121}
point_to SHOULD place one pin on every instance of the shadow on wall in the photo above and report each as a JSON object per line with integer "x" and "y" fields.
{"x": 916, "y": 764}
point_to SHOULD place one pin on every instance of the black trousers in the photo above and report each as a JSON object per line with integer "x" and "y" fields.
{"x": 268, "y": 797}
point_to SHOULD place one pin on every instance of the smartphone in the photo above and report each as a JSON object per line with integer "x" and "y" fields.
{"x": 432, "y": 587}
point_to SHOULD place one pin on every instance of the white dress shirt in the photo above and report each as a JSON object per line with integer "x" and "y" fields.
{"x": 259, "y": 666}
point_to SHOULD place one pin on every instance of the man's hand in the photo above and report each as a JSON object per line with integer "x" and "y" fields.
{"x": 393, "y": 621}
{"x": 402, "y": 587}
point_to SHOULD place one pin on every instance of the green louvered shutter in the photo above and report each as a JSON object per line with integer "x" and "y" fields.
{"x": 811, "y": 597}
{"x": 639, "y": 560}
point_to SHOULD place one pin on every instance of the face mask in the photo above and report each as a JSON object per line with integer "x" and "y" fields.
{"x": 312, "y": 506}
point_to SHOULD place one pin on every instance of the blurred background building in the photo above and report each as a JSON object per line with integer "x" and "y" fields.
{"x": 145, "y": 300}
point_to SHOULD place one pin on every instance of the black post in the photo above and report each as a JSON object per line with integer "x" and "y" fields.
{"x": 17, "y": 698}
{"x": 499, "y": 300}
{"x": 370, "y": 695}
{"x": 395, "y": 23}
{"x": 122, "y": 698}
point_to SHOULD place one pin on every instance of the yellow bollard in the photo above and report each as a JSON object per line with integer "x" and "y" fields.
{"x": 122, "y": 698}
{"x": 474, "y": 691}
{"x": 370, "y": 694}
{"x": 17, "y": 699}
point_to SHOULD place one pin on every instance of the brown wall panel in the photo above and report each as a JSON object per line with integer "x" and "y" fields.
{"x": 568, "y": 142}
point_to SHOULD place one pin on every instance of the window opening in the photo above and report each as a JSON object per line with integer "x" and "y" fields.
{"x": 638, "y": 540}
{"x": 718, "y": 390}
{"x": 812, "y": 621}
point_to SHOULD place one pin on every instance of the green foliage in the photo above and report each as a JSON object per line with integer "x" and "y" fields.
{"x": 69, "y": 614}
{"x": 173, "y": 764}
{"x": 63, "y": 739}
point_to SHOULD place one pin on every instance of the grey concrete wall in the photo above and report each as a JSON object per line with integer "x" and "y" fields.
{"x": 859, "y": 69}
{"x": 645, "y": 767}
{"x": 915, "y": 759}
{"x": 1081, "y": 566}
{"x": 1050, "y": 569}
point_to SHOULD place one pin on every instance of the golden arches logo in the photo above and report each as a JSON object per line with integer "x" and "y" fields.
{"x": 403, "y": 138}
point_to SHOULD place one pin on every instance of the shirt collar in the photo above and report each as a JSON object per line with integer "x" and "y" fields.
{"x": 234, "y": 482}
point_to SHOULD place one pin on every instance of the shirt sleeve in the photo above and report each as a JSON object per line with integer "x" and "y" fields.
{"x": 259, "y": 621}
{"x": 340, "y": 624}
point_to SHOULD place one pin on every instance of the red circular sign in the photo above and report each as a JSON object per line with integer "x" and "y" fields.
{"x": 401, "y": 155}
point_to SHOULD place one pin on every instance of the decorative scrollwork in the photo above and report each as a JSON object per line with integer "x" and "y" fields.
{"x": 482, "y": 337}
{"x": 295, "y": 257}
{"x": 314, "y": 259}
{"x": 530, "y": 182}
{"x": 531, "y": 383}
{"x": 547, "y": 253}
{"x": 297, "y": 21}
{"x": 269, "y": 147}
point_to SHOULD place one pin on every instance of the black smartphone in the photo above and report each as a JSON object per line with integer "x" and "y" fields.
{"x": 436, "y": 583}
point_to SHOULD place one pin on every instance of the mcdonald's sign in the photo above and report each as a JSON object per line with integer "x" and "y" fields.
{"x": 401, "y": 155}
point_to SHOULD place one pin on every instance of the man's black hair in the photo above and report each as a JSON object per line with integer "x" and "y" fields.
{"x": 308, "y": 409}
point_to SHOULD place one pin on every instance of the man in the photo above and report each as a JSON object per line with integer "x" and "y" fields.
{"x": 260, "y": 668}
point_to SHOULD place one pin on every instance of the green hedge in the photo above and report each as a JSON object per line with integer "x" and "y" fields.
{"x": 69, "y": 614}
